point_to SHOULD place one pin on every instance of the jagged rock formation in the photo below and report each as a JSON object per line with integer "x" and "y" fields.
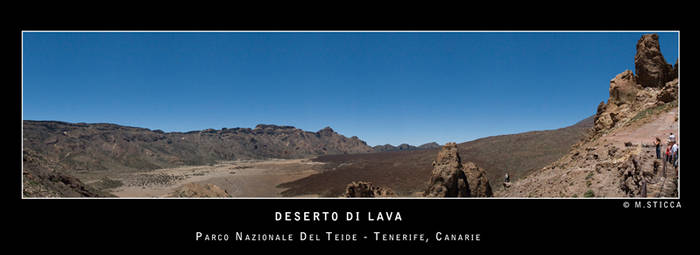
{"x": 80, "y": 146}
{"x": 405, "y": 147}
{"x": 449, "y": 178}
{"x": 618, "y": 158}
{"x": 654, "y": 83}
{"x": 367, "y": 189}
{"x": 42, "y": 178}
{"x": 200, "y": 190}
{"x": 478, "y": 182}
{"x": 650, "y": 66}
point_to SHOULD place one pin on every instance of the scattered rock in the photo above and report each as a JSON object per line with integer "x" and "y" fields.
{"x": 200, "y": 190}
{"x": 367, "y": 189}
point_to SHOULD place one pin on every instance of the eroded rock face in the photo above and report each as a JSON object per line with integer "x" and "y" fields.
{"x": 450, "y": 178}
{"x": 669, "y": 92}
{"x": 650, "y": 66}
{"x": 478, "y": 182}
{"x": 654, "y": 83}
{"x": 623, "y": 88}
{"x": 367, "y": 189}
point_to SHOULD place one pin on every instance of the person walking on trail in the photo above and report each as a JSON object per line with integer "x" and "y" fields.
{"x": 657, "y": 143}
{"x": 668, "y": 153}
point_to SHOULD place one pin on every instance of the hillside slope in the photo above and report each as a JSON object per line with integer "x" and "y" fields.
{"x": 92, "y": 147}
{"x": 618, "y": 158}
{"x": 407, "y": 172}
{"x": 618, "y": 164}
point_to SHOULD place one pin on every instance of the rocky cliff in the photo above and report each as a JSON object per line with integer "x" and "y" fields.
{"x": 654, "y": 83}
{"x": 650, "y": 65}
{"x": 618, "y": 158}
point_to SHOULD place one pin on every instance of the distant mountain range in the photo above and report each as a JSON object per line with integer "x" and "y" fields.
{"x": 81, "y": 146}
{"x": 405, "y": 147}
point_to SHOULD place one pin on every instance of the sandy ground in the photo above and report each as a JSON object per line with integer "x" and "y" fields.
{"x": 248, "y": 178}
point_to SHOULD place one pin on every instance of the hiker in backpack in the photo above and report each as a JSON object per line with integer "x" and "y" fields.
{"x": 657, "y": 143}
{"x": 668, "y": 153}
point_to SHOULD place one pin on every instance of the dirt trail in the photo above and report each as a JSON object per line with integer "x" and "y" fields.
{"x": 602, "y": 168}
{"x": 251, "y": 178}
{"x": 659, "y": 127}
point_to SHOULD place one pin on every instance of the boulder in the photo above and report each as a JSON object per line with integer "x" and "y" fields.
{"x": 367, "y": 189}
{"x": 623, "y": 88}
{"x": 650, "y": 66}
{"x": 604, "y": 121}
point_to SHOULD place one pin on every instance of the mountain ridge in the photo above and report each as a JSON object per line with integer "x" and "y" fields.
{"x": 106, "y": 146}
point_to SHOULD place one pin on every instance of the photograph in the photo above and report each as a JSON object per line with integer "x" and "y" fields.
{"x": 350, "y": 114}
{"x": 345, "y": 138}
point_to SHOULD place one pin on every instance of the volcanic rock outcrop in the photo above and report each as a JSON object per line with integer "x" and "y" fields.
{"x": 669, "y": 92}
{"x": 367, "y": 189}
{"x": 650, "y": 65}
{"x": 478, "y": 182}
{"x": 449, "y": 178}
{"x": 655, "y": 83}
{"x": 618, "y": 159}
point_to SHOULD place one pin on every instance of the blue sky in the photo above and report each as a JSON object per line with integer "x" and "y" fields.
{"x": 382, "y": 87}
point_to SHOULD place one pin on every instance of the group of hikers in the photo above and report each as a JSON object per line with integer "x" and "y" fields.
{"x": 672, "y": 150}
{"x": 671, "y": 155}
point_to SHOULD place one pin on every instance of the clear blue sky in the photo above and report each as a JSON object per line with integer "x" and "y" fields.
{"x": 382, "y": 87}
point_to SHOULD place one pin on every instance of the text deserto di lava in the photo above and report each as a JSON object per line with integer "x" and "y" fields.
{"x": 336, "y": 236}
